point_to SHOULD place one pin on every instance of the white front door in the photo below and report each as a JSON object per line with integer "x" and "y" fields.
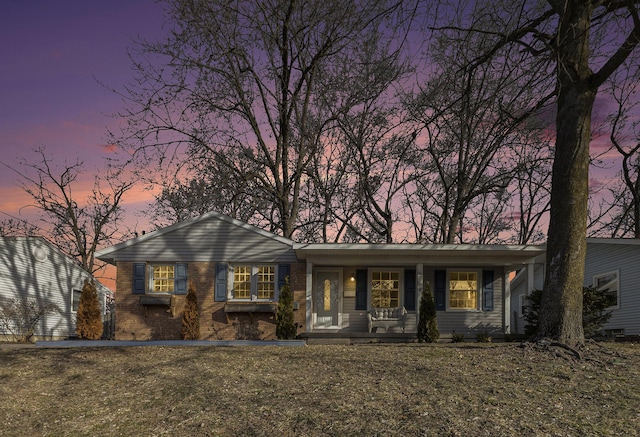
{"x": 327, "y": 298}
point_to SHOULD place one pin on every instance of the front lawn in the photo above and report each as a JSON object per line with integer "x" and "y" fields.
{"x": 406, "y": 389}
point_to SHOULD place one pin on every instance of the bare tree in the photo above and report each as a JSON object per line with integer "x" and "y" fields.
{"x": 380, "y": 158}
{"x": 468, "y": 114}
{"x": 77, "y": 222}
{"x": 242, "y": 79}
{"x": 528, "y": 206}
{"x": 209, "y": 185}
{"x": 586, "y": 42}
{"x": 325, "y": 200}
{"x": 625, "y": 138}
{"x": 17, "y": 227}
{"x": 577, "y": 85}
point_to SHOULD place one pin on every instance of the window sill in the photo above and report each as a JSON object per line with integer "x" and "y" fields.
{"x": 250, "y": 307}
{"x": 163, "y": 300}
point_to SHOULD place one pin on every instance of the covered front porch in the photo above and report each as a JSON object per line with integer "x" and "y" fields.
{"x": 345, "y": 281}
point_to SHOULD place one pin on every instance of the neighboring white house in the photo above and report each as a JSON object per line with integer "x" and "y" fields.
{"x": 32, "y": 268}
{"x": 611, "y": 263}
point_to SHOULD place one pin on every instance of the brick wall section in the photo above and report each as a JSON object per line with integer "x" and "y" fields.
{"x": 136, "y": 322}
{"x": 298, "y": 282}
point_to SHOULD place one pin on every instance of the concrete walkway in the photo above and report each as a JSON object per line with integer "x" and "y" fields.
{"x": 180, "y": 343}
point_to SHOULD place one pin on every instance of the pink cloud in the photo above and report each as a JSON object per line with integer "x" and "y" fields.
{"x": 110, "y": 148}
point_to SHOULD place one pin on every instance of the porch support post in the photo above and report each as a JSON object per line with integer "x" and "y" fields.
{"x": 309, "y": 293}
{"x": 419, "y": 287}
{"x": 507, "y": 301}
{"x": 530, "y": 278}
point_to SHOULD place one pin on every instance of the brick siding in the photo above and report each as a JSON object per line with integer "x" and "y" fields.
{"x": 137, "y": 322}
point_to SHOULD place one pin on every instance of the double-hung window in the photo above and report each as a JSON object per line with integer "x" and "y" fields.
{"x": 385, "y": 288}
{"x": 161, "y": 278}
{"x": 610, "y": 282}
{"x": 242, "y": 282}
{"x": 463, "y": 290}
{"x": 254, "y": 282}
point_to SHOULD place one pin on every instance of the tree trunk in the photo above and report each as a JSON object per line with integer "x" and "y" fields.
{"x": 561, "y": 307}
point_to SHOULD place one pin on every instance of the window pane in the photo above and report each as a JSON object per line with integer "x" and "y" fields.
{"x": 163, "y": 279}
{"x": 463, "y": 290}
{"x": 385, "y": 289}
{"x": 76, "y": 300}
{"x": 266, "y": 282}
{"x": 242, "y": 282}
{"x": 609, "y": 282}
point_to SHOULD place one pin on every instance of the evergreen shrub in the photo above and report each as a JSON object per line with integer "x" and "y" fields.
{"x": 89, "y": 316}
{"x": 286, "y": 328}
{"x": 594, "y": 310}
{"x": 427, "y": 323}
{"x": 190, "y": 317}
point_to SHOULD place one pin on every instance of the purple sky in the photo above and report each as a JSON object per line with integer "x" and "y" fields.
{"x": 53, "y": 56}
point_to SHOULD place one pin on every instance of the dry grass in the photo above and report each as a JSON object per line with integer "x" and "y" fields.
{"x": 410, "y": 389}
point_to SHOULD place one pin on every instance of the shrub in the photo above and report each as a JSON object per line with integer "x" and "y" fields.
{"x": 594, "y": 310}
{"x": 19, "y": 317}
{"x": 427, "y": 323}
{"x": 190, "y": 316}
{"x": 483, "y": 337}
{"x": 285, "y": 325}
{"x": 89, "y": 317}
{"x": 457, "y": 337}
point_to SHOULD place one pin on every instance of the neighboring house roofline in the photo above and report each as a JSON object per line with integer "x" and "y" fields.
{"x": 106, "y": 254}
{"x": 521, "y": 275}
{"x": 626, "y": 241}
{"x": 71, "y": 260}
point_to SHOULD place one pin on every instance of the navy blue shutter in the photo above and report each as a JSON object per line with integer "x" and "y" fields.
{"x": 487, "y": 290}
{"x": 180, "y": 279}
{"x": 283, "y": 272}
{"x": 221, "y": 283}
{"x": 440, "y": 289}
{"x": 139, "y": 278}
{"x": 410, "y": 290}
{"x": 361, "y": 289}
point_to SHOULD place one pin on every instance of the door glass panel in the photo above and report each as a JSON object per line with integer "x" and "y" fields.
{"x": 327, "y": 295}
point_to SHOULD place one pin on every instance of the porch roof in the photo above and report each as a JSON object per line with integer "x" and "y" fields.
{"x": 428, "y": 254}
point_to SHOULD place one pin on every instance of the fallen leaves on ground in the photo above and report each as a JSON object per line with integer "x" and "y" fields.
{"x": 372, "y": 389}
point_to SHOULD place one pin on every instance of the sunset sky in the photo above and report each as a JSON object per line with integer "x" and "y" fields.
{"x": 55, "y": 55}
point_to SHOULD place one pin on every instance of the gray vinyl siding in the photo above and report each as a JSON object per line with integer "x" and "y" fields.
{"x": 519, "y": 289}
{"x": 470, "y": 323}
{"x": 49, "y": 279}
{"x": 625, "y": 258}
{"x": 212, "y": 240}
{"x": 467, "y": 322}
{"x": 602, "y": 257}
{"x": 352, "y": 320}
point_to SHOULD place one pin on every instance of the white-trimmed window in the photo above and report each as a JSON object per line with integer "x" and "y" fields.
{"x": 242, "y": 282}
{"x": 385, "y": 288}
{"x": 524, "y": 303}
{"x": 253, "y": 282}
{"x": 266, "y": 282}
{"x": 162, "y": 278}
{"x": 463, "y": 289}
{"x": 75, "y": 300}
{"x": 609, "y": 281}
